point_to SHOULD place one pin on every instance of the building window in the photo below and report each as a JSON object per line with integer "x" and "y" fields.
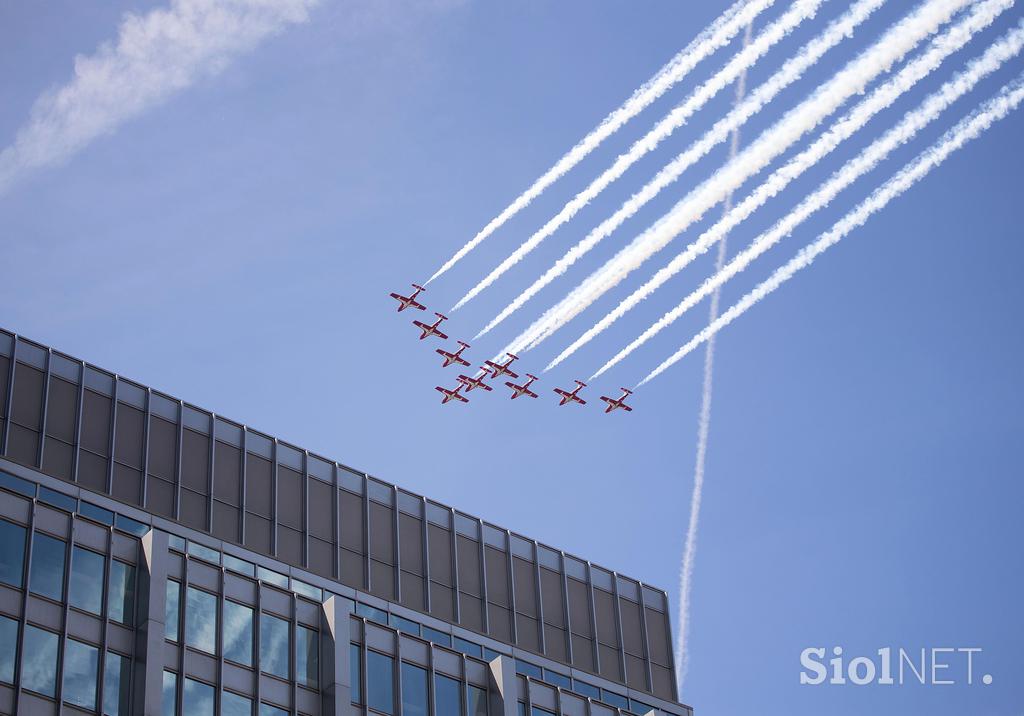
{"x": 117, "y": 680}
{"x": 169, "y": 699}
{"x": 8, "y": 646}
{"x": 172, "y": 610}
{"x": 81, "y": 664}
{"x": 197, "y": 698}
{"x": 234, "y": 705}
{"x": 38, "y": 659}
{"x": 477, "y": 700}
{"x": 121, "y": 598}
{"x": 414, "y": 691}
{"x": 237, "y": 636}
{"x": 307, "y": 657}
{"x": 201, "y": 620}
{"x": 12, "y": 553}
{"x": 447, "y": 695}
{"x": 380, "y": 682}
{"x": 268, "y": 710}
{"x": 46, "y": 576}
{"x": 86, "y": 585}
{"x": 355, "y": 673}
{"x": 274, "y": 645}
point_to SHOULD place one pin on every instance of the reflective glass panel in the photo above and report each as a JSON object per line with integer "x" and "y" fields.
{"x": 414, "y": 690}
{"x": 12, "y": 553}
{"x": 197, "y": 698}
{"x": 355, "y": 673}
{"x": 172, "y": 610}
{"x": 307, "y": 659}
{"x": 8, "y": 645}
{"x": 81, "y": 665}
{"x": 37, "y": 660}
{"x": 121, "y": 597}
{"x": 268, "y": 710}
{"x": 447, "y": 696}
{"x": 477, "y": 700}
{"x": 467, "y": 647}
{"x": 201, "y": 620}
{"x": 47, "y": 573}
{"x": 170, "y": 694}
{"x": 238, "y": 633}
{"x": 274, "y": 645}
{"x": 380, "y": 682}
{"x": 117, "y": 679}
{"x": 234, "y": 705}
{"x": 86, "y": 584}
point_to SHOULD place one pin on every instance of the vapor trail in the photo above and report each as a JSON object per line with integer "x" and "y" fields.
{"x": 981, "y": 16}
{"x": 751, "y": 53}
{"x": 967, "y": 129}
{"x": 703, "y": 430}
{"x": 714, "y": 37}
{"x": 894, "y": 44}
{"x": 156, "y": 55}
{"x": 790, "y": 71}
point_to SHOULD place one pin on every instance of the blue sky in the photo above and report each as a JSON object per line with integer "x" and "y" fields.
{"x": 235, "y": 246}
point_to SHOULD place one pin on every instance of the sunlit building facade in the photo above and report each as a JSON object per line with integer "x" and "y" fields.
{"x": 158, "y": 559}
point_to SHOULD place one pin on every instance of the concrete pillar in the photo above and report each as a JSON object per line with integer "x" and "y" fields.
{"x": 505, "y": 683}
{"x": 149, "y": 637}
{"x": 334, "y": 655}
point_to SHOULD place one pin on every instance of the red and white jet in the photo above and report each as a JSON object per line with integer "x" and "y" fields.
{"x": 405, "y": 302}
{"x": 498, "y": 368}
{"x": 474, "y": 383}
{"x": 451, "y": 394}
{"x": 571, "y": 396}
{"x": 615, "y": 403}
{"x": 524, "y": 389}
{"x": 432, "y": 330}
{"x": 456, "y": 357}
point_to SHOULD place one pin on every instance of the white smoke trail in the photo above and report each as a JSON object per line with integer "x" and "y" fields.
{"x": 800, "y": 10}
{"x": 981, "y": 16}
{"x": 155, "y": 56}
{"x": 967, "y": 129}
{"x": 998, "y": 53}
{"x": 897, "y": 41}
{"x": 790, "y": 71}
{"x": 714, "y": 37}
{"x": 682, "y": 660}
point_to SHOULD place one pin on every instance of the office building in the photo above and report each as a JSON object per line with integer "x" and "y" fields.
{"x": 157, "y": 558}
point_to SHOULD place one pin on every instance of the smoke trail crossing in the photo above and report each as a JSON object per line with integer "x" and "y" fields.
{"x": 703, "y": 431}
{"x": 1008, "y": 99}
{"x": 714, "y": 37}
{"x": 800, "y": 10}
{"x": 791, "y": 70}
{"x": 895, "y": 43}
{"x": 981, "y": 16}
{"x": 1006, "y": 48}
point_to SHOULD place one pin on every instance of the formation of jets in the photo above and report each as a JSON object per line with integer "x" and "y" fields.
{"x": 490, "y": 370}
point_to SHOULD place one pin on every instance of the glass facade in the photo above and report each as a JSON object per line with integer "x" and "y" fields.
{"x": 260, "y": 554}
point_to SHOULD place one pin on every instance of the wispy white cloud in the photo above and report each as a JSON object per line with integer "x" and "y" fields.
{"x": 155, "y": 56}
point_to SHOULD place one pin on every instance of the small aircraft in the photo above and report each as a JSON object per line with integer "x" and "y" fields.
{"x": 498, "y": 368}
{"x": 524, "y": 389}
{"x": 456, "y": 357}
{"x": 615, "y": 403}
{"x": 405, "y": 302}
{"x": 451, "y": 394}
{"x": 572, "y": 396}
{"x": 431, "y": 330}
{"x": 473, "y": 383}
